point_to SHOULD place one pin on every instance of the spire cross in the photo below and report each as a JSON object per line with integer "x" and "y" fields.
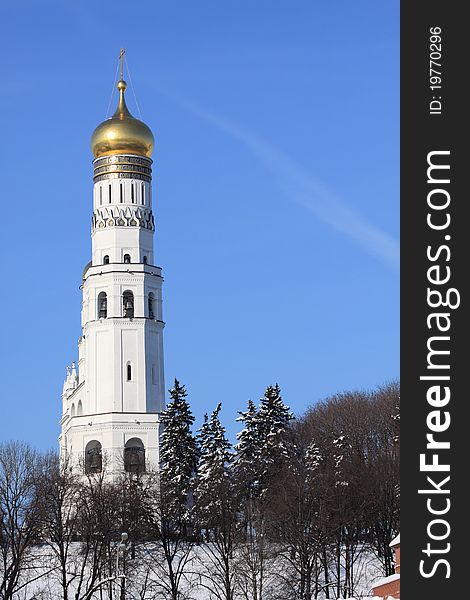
{"x": 121, "y": 60}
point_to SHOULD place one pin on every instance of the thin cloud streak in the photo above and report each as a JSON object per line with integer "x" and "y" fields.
{"x": 301, "y": 188}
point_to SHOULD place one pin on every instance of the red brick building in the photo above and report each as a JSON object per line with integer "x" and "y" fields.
{"x": 389, "y": 587}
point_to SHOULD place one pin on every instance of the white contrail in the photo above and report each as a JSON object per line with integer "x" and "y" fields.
{"x": 302, "y": 188}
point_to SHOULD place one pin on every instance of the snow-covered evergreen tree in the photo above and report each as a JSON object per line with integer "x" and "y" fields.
{"x": 248, "y": 449}
{"x": 216, "y": 508}
{"x": 273, "y": 419}
{"x": 203, "y": 440}
{"x": 170, "y": 518}
{"x": 261, "y": 443}
{"x": 178, "y": 453}
{"x": 213, "y": 475}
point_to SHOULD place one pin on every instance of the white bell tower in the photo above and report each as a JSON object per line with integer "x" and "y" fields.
{"x": 110, "y": 412}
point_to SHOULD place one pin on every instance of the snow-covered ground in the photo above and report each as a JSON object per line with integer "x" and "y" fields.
{"x": 146, "y": 579}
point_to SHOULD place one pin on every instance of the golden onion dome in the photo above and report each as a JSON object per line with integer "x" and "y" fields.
{"x": 122, "y": 133}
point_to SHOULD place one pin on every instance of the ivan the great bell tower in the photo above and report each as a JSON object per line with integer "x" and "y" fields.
{"x": 111, "y": 406}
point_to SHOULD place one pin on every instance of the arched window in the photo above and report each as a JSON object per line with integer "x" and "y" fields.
{"x": 72, "y": 410}
{"x": 134, "y": 456}
{"x": 127, "y": 259}
{"x": 106, "y": 259}
{"x": 101, "y": 196}
{"x": 128, "y": 304}
{"x": 102, "y": 305}
{"x": 79, "y": 408}
{"x": 93, "y": 457}
{"x": 129, "y": 371}
{"x": 142, "y": 194}
{"x": 151, "y": 306}
{"x": 109, "y": 190}
{"x": 132, "y": 193}
{"x": 145, "y": 260}
{"x": 120, "y": 193}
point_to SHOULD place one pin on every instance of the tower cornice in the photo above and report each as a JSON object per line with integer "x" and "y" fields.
{"x": 122, "y": 216}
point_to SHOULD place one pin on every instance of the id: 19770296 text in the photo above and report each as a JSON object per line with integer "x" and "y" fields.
{"x": 435, "y": 70}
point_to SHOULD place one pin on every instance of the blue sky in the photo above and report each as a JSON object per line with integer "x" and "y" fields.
{"x": 276, "y": 193}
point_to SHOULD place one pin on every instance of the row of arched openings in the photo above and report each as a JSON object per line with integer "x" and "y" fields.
{"x": 126, "y": 259}
{"x": 79, "y": 410}
{"x": 127, "y": 305}
{"x": 134, "y": 456}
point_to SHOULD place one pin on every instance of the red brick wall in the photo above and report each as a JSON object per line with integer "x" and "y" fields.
{"x": 388, "y": 589}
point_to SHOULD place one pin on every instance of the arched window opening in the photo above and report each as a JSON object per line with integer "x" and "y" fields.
{"x": 142, "y": 194}
{"x": 145, "y": 260}
{"x": 102, "y": 305}
{"x": 132, "y": 193}
{"x": 72, "y": 410}
{"x": 127, "y": 259}
{"x": 106, "y": 259}
{"x": 93, "y": 457}
{"x": 129, "y": 371}
{"x": 134, "y": 456}
{"x": 109, "y": 189}
{"x": 120, "y": 193}
{"x": 128, "y": 304}
{"x": 101, "y": 196}
{"x": 151, "y": 306}
{"x": 79, "y": 408}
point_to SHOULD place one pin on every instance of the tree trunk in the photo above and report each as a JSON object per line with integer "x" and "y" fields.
{"x": 327, "y": 574}
{"x": 338, "y": 568}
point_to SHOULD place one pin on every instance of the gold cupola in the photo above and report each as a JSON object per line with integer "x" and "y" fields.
{"x": 122, "y": 133}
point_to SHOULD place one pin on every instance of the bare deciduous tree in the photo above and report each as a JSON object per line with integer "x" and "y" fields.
{"x": 18, "y": 517}
{"x": 97, "y": 531}
{"x": 167, "y": 523}
{"x": 58, "y": 494}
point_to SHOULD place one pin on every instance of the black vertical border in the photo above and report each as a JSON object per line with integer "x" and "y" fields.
{"x": 421, "y": 133}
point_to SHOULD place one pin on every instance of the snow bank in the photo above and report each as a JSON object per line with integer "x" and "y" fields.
{"x": 385, "y": 580}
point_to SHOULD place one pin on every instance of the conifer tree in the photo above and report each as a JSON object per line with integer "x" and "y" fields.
{"x": 248, "y": 449}
{"x": 261, "y": 443}
{"x": 216, "y": 508}
{"x": 177, "y": 453}
{"x": 214, "y": 465}
{"x": 273, "y": 419}
{"x": 260, "y": 447}
{"x": 169, "y": 518}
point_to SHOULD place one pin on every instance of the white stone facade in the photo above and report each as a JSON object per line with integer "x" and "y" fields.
{"x": 113, "y": 401}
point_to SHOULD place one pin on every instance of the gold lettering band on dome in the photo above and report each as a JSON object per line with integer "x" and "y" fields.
{"x": 122, "y": 167}
{"x": 106, "y": 176}
{"x": 122, "y": 158}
